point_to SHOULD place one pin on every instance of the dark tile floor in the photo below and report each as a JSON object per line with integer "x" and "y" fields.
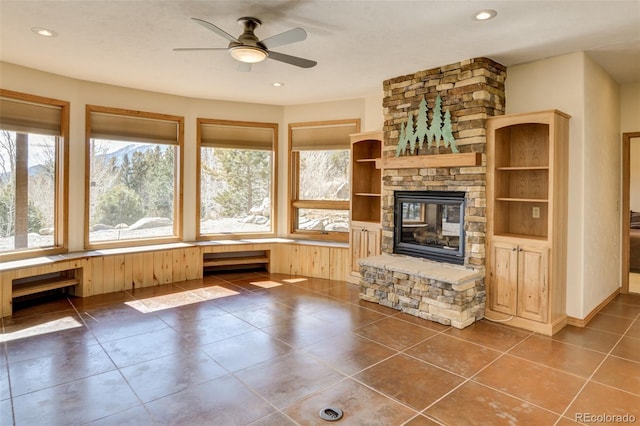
{"x": 259, "y": 349}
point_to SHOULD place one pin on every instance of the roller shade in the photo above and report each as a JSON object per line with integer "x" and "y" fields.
{"x": 323, "y": 137}
{"x": 27, "y": 117}
{"x": 133, "y": 129}
{"x": 239, "y": 137}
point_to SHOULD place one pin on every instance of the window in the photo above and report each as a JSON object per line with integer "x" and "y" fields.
{"x": 133, "y": 168}
{"x": 33, "y": 183}
{"x": 319, "y": 178}
{"x": 237, "y": 174}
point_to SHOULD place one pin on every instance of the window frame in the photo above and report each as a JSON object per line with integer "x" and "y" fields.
{"x": 61, "y": 198}
{"x": 295, "y": 203}
{"x": 274, "y": 179}
{"x": 178, "y": 204}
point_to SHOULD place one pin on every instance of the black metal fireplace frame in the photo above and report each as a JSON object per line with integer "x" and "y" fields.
{"x": 424, "y": 251}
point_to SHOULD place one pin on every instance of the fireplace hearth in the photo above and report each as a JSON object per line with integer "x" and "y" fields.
{"x": 430, "y": 224}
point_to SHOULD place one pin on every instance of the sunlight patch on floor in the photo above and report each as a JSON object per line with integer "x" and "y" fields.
{"x": 294, "y": 280}
{"x": 183, "y": 298}
{"x": 265, "y": 284}
{"x": 64, "y": 323}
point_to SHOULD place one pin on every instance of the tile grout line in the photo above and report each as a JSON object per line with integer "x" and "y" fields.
{"x": 470, "y": 379}
{"x": 116, "y": 367}
{"x": 590, "y": 378}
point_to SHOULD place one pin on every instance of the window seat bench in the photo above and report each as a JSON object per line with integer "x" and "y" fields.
{"x": 93, "y": 272}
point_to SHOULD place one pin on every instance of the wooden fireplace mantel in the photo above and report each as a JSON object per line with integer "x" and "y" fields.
{"x": 464, "y": 159}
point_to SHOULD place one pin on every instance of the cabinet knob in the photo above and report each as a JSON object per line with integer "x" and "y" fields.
{"x": 514, "y": 249}
{"x": 520, "y": 249}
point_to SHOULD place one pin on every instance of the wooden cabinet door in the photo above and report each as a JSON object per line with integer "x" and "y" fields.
{"x": 504, "y": 277}
{"x": 356, "y": 248}
{"x": 533, "y": 289}
{"x": 364, "y": 242}
{"x": 372, "y": 242}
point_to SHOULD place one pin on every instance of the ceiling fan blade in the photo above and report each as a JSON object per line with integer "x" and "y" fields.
{"x": 293, "y": 60}
{"x": 292, "y": 36}
{"x": 186, "y": 49}
{"x": 244, "y": 67}
{"x": 215, "y": 29}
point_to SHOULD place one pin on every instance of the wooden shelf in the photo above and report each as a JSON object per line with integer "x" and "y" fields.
{"x": 365, "y": 232}
{"x": 510, "y": 236}
{"x": 25, "y": 289}
{"x": 234, "y": 261}
{"x": 526, "y": 219}
{"x": 524, "y": 168}
{"x": 523, "y": 200}
{"x": 465, "y": 159}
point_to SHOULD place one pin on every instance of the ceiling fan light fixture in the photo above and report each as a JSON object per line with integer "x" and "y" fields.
{"x": 248, "y": 54}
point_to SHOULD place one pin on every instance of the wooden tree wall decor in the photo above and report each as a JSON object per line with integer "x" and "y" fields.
{"x": 423, "y": 132}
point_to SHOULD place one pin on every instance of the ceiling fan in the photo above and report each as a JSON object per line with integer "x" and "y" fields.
{"x": 249, "y": 49}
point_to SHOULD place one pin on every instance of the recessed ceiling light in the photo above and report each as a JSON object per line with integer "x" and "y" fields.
{"x": 44, "y": 32}
{"x": 485, "y": 15}
{"x": 277, "y": 84}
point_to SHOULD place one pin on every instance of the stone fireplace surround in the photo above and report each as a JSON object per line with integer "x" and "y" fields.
{"x": 472, "y": 90}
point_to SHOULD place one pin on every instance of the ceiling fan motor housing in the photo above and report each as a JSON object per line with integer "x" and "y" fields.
{"x": 248, "y": 37}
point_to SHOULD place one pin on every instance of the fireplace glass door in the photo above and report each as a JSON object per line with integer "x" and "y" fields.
{"x": 430, "y": 224}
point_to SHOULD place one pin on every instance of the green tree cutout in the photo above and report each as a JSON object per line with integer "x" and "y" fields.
{"x": 425, "y": 133}
{"x": 436, "y": 124}
{"x": 410, "y": 134}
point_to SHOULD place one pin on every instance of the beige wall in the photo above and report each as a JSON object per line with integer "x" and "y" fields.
{"x": 80, "y": 93}
{"x": 576, "y": 85}
{"x": 602, "y": 183}
{"x": 630, "y": 107}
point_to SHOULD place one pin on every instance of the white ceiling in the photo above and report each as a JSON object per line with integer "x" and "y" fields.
{"x": 357, "y": 44}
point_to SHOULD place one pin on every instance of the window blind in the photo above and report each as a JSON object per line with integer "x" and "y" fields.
{"x": 322, "y": 137}
{"x": 239, "y": 137}
{"x": 28, "y": 117}
{"x": 133, "y": 129}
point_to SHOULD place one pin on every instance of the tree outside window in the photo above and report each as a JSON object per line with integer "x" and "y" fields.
{"x": 133, "y": 162}
{"x": 33, "y": 204}
{"x": 320, "y": 181}
{"x": 237, "y": 175}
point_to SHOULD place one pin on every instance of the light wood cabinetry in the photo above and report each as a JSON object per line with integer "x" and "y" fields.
{"x": 366, "y": 196}
{"x": 519, "y": 284}
{"x": 527, "y": 158}
{"x": 364, "y": 241}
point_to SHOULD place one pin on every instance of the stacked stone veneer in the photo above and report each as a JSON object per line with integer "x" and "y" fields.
{"x": 448, "y": 294}
{"x": 472, "y": 91}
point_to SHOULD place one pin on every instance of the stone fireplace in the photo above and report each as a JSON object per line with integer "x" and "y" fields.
{"x": 446, "y": 289}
